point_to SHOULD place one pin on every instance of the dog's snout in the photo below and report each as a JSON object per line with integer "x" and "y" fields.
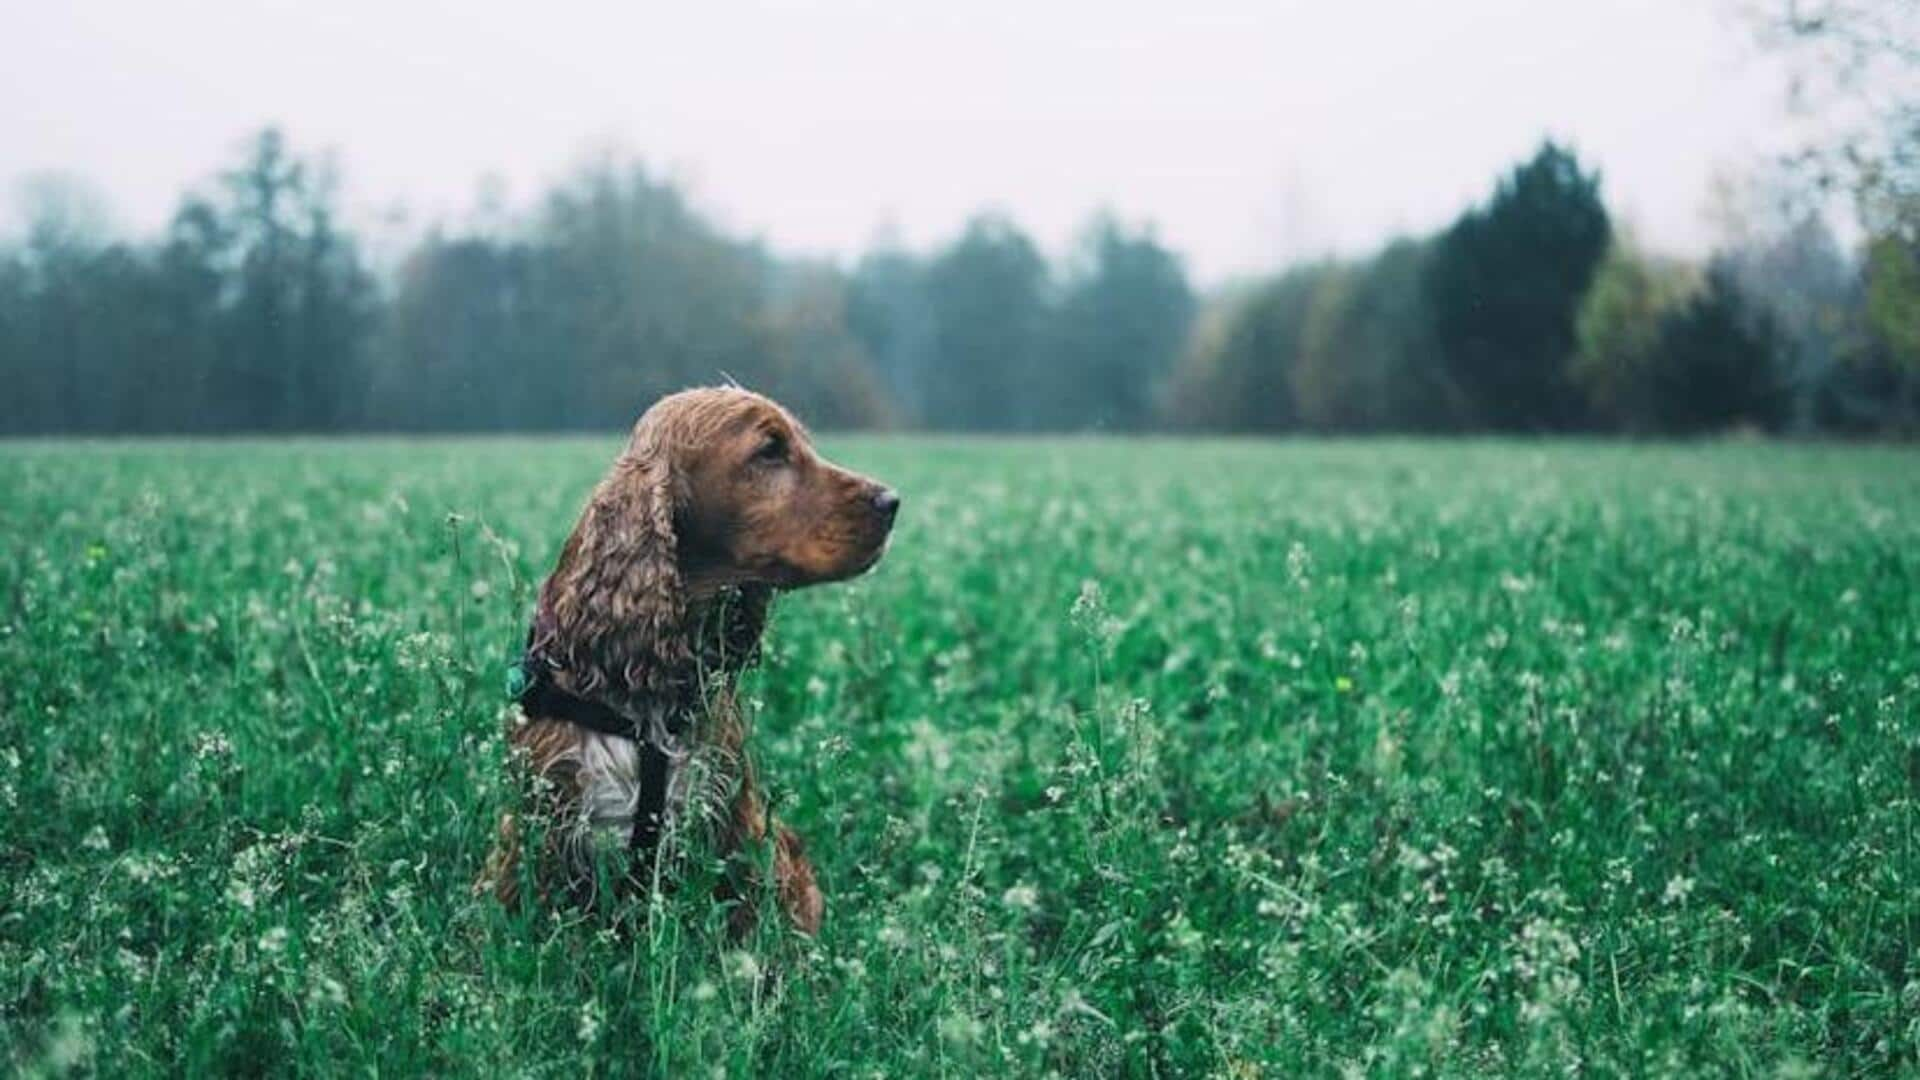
{"x": 886, "y": 502}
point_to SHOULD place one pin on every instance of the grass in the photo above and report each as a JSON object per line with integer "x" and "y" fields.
{"x": 1158, "y": 758}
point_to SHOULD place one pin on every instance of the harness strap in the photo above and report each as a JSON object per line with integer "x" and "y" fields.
{"x": 539, "y": 697}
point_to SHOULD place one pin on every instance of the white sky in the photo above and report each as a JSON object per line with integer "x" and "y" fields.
{"x": 1250, "y": 132}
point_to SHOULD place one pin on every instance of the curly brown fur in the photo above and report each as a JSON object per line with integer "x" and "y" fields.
{"x": 655, "y": 606}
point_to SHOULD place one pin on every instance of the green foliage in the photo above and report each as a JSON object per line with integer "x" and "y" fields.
{"x": 1505, "y": 283}
{"x": 1183, "y": 758}
{"x": 1367, "y": 360}
{"x": 986, "y": 296}
{"x": 253, "y": 313}
{"x": 1619, "y": 331}
{"x": 647, "y": 297}
{"x": 1237, "y": 373}
{"x": 890, "y": 313}
{"x": 1332, "y": 346}
{"x": 815, "y": 363}
{"x": 1715, "y": 365}
{"x": 461, "y": 347}
{"x": 1877, "y": 390}
{"x": 1117, "y": 331}
{"x": 1893, "y": 297}
{"x": 616, "y": 293}
{"x": 981, "y": 336}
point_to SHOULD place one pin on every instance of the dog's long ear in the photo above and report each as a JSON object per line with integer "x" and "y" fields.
{"x": 611, "y": 616}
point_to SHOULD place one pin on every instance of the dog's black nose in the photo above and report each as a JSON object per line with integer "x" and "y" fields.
{"x": 887, "y": 502}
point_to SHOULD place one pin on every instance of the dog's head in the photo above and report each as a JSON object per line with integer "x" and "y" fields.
{"x": 752, "y": 501}
{"x": 717, "y": 488}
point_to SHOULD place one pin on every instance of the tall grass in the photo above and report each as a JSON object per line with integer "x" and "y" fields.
{"x": 1152, "y": 758}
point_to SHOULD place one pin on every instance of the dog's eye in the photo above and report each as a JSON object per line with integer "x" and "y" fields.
{"x": 772, "y": 451}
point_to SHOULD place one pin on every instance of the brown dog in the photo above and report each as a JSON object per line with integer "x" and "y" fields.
{"x": 628, "y": 723}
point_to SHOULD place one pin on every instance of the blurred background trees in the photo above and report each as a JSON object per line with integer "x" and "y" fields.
{"x": 1856, "y": 71}
{"x": 1124, "y": 314}
{"x": 1716, "y": 363}
{"x": 1618, "y": 332}
{"x": 1504, "y": 284}
{"x": 256, "y": 310}
{"x": 987, "y": 296}
{"x": 1237, "y": 374}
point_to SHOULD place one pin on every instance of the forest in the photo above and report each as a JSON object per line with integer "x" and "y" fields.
{"x": 259, "y": 310}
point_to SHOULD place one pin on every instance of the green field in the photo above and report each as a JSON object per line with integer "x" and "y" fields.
{"x": 1151, "y": 758}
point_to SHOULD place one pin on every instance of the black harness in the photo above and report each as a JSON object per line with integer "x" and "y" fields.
{"x": 541, "y": 699}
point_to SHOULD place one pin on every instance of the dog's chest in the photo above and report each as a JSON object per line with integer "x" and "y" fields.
{"x": 615, "y": 784}
{"x": 609, "y": 780}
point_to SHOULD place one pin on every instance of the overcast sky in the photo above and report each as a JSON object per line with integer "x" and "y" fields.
{"x": 1249, "y": 132}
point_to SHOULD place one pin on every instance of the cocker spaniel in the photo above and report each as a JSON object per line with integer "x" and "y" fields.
{"x": 628, "y": 727}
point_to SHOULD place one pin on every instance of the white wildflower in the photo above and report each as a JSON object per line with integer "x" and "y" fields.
{"x": 1678, "y": 889}
{"x": 1022, "y": 897}
{"x": 742, "y": 966}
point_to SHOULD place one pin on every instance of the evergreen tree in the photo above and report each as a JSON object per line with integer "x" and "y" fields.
{"x": 1717, "y": 364}
{"x": 1121, "y": 324}
{"x": 1504, "y": 285}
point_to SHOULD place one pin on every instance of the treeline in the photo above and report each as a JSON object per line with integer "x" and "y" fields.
{"x": 258, "y": 310}
{"x": 1531, "y": 313}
